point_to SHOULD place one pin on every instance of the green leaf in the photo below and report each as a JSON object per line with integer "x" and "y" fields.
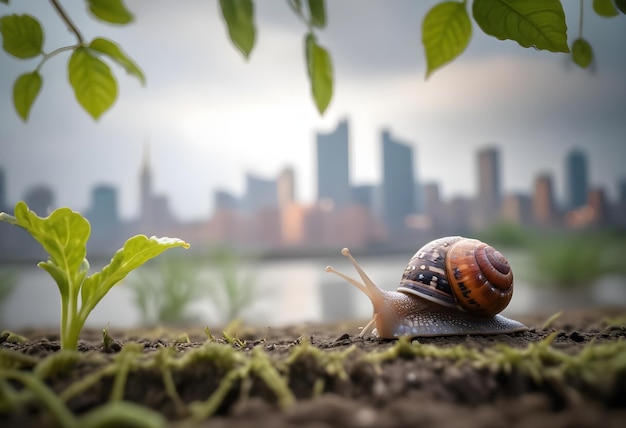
{"x": 320, "y": 73}
{"x": 136, "y": 251}
{"x": 446, "y": 32}
{"x": 605, "y": 8}
{"x": 531, "y": 23}
{"x": 239, "y": 17}
{"x": 582, "y": 53}
{"x": 317, "y": 11}
{"x": 22, "y": 36}
{"x": 94, "y": 85}
{"x": 113, "y": 51}
{"x": 25, "y": 90}
{"x": 111, "y": 11}
{"x": 4, "y": 1}
{"x": 621, "y": 5}
{"x": 63, "y": 234}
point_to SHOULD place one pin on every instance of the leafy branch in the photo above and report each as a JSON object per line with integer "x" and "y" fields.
{"x": 93, "y": 82}
{"x": 446, "y": 33}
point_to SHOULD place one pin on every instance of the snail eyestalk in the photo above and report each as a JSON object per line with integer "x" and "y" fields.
{"x": 368, "y": 287}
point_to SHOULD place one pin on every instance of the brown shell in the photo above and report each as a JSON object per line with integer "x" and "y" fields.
{"x": 457, "y": 271}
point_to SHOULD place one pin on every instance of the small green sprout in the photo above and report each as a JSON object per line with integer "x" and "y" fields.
{"x": 64, "y": 234}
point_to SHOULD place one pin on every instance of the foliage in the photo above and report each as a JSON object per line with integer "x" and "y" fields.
{"x": 232, "y": 290}
{"x": 563, "y": 258}
{"x": 64, "y": 234}
{"x": 163, "y": 293}
{"x": 446, "y": 32}
{"x": 571, "y": 260}
{"x": 8, "y": 280}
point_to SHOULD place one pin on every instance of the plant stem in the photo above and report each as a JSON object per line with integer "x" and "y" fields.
{"x": 68, "y": 21}
{"x": 49, "y": 399}
{"x": 580, "y": 21}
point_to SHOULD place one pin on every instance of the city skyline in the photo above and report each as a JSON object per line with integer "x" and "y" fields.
{"x": 383, "y": 198}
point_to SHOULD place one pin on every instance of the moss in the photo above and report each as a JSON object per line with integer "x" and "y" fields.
{"x": 236, "y": 366}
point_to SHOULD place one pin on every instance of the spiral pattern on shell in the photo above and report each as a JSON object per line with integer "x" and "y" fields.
{"x": 457, "y": 271}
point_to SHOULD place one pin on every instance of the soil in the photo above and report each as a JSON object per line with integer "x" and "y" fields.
{"x": 341, "y": 380}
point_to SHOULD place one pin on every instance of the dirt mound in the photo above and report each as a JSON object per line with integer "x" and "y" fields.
{"x": 569, "y": 373}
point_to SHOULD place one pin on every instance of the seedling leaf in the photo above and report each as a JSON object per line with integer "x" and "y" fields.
{"x": 446, "y": 32}
{"x": 113, "y": 51}
{"x": 136, "y": 251}
{"x": 94, "y": 85}
{"x": 22, "y": 35}
{"x": 239, "y": 17}
{"x": 63, "y": 234}
{"x": 531, "y": 23}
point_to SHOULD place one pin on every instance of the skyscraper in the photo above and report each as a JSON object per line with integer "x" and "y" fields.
{"x": 543, "y": 201}
{"x": 145, "y": 188}
{"x": 286, "y": 187}
{"x": 489, "y": 187}
{"x": 398, "y": 191}
{"x": 3, "y": 192}
{"x": 333, "y": 166}
{"x": 261, "y": 194}
{"x": 577, "y": 180}
{"x": 103, "y": 214}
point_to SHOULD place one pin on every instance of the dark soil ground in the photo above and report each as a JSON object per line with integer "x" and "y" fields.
{"x": 572, "y": 373}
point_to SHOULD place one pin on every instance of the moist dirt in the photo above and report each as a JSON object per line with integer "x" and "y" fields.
{"x": 343, "y": 380}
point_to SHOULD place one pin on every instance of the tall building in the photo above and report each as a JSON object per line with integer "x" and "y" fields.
{"x": 3, "y": 192}
{"x": 286, "y": 187}
{"x": 333, "y": 166}
{"x": 146, "y": 199}
{"x": 103, "y": 209}
{"x": 517, "y": 209}
{"x": 225, "y": 201}
{"x": 261, "y": 194}
{"x": 489, "y": 197}
{"x": 544, "y": 207}
{"x": 104, "y": 219}
{"x": 621, "y": 191}
{"x": 40, "y": 199}
{"x": 364, "y": 195}
{"x": 599, "y": 206}
{"x": 398, "y": 192}
{"x": 577, "y": 179}
{"x": 155, "y": 214}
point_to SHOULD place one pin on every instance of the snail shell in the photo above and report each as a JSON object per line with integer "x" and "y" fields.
{"x": 451, "y": 286}
{"x": 460, "y": 271}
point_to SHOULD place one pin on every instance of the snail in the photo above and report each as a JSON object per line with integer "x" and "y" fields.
{"x": 451, "y": 286}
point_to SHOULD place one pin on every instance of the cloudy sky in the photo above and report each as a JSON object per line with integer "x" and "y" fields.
{"x": 210, "y": 116}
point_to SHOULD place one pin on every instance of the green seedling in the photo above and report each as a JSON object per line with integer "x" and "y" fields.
{"x": 64, "y": 234}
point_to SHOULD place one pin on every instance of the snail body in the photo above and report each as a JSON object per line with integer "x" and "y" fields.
{"x": 451, "y": 286}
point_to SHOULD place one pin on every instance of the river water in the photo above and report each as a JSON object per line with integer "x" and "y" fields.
{"x": 290, "y": 291}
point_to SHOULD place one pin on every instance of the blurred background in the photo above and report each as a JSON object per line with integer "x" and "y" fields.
{"x": 518, "y": 147}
